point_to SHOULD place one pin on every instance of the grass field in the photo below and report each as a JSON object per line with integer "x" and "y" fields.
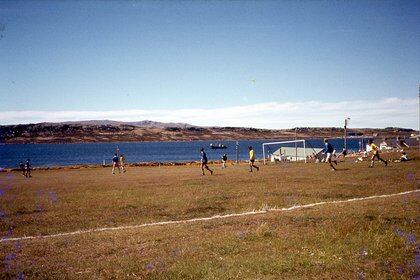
{"x": 371, "y": 239}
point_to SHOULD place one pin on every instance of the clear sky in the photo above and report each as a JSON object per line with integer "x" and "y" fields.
{"x": 273, "y": 64}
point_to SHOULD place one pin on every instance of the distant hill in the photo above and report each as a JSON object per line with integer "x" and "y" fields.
{"x": 115, "y": 131}
{"x": 145, "y": 123}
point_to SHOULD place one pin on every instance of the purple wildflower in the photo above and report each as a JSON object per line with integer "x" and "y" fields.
{"x": 8, "y": 259}
{"x": 39, "y": 208}
{"x": 241, "y": 235}
{"x": 2, "y": 214}
{"x": 360, "y": 275}
{"x": 18, "y": 246}
{"x": 150, "y": 266}
{"x": 410, "y": 176}
{"x": 410, "y": 239}
{"x": 53, "y": 196}
{"x": 399, "y": 232}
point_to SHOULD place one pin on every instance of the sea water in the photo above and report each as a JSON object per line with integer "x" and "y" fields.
{"x": 47, "y": 155}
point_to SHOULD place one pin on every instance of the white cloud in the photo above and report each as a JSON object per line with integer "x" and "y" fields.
{"x": 363, "y": 113}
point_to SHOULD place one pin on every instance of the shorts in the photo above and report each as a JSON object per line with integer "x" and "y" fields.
{"x": 252, "y": 160}
{"x": 329, "y": 156}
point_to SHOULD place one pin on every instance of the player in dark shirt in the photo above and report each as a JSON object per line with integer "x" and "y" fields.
{"x": 204, "y": 162}
{"x": 329, "y": 150}
{"x": 115, "y": 164}
{"x": 28, "y": 168}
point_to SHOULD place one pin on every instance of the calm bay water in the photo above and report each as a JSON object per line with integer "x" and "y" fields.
{"x": 95, "y": 153}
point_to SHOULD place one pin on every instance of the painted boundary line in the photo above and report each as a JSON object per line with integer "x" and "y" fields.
{"x": 250, "y": 213}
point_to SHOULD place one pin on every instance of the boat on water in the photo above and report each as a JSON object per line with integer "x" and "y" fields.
{"x": 218, "y": 146}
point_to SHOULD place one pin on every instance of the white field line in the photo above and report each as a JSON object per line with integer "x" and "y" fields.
{"x": 273, "y": 209}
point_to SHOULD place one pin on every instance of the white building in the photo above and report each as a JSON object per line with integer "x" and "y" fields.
{"x": 294, "y": 154}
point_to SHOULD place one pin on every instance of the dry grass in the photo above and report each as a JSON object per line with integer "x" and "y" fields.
{"x": 361, "y": 240}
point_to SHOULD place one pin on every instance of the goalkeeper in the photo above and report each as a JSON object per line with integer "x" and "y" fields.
{"x": 329, "y": 150}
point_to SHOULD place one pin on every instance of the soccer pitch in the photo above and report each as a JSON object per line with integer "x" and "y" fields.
{"x": 363, "y": 239}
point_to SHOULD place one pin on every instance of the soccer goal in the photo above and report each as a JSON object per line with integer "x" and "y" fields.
{"x": 293, "y": 150}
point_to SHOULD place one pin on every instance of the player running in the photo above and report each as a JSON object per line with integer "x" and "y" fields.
{"x": 375, "y": 154}
{"x": 116, "y": 164}
{"x": 224, "y": 160}
{"x": 329, "y": 150}
{"x": 204, "y": 161}
{"x": 252, "y": 159}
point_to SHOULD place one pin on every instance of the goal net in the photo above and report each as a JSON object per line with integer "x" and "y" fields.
{"x": 292, "y": 150}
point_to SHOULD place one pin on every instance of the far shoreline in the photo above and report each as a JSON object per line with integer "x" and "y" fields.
{"x": 203, "y": 140}
{"x": 174, "y": 141}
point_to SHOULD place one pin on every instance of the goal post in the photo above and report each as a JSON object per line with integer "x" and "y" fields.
{"x": 264, "y": 145}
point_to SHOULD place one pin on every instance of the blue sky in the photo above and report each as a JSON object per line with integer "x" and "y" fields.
{"x": 130, "y": 60}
